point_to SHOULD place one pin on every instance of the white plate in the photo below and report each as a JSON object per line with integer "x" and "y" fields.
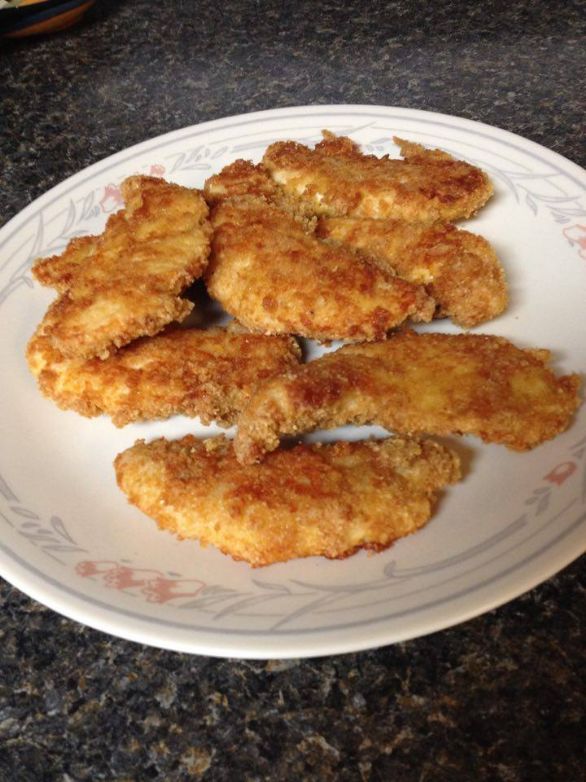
{"x": 70, "y": 540}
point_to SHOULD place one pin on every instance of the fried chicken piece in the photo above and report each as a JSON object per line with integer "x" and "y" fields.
{"x": 415, "y": 383}
{"x": 338, "y": 180}
{"x": 459, "y": 269}
{"x": 128, "y": 281}
{"x": 274, "y": 276}
{"x": 210, "y": 374}
{"x": 318, "y": 500}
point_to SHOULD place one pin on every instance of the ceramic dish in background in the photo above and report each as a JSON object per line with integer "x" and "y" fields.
{"x": 70, "y": 539}
{"x": 21, "y": 18}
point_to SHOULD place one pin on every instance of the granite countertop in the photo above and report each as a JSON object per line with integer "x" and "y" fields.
{"x": 500, "y": 697}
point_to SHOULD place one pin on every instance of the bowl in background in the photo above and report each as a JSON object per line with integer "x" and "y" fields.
{"x": 40, "y": 17}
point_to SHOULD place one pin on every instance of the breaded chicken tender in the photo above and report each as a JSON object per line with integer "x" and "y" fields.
{"x": 328, "y": 500}
{"x": 210, "y": 374}
{"x": 274, "y": 276}
{"x": 127, "y": 282}
{"x": 415, "y": 383}
{"x": 339, "y": 181}
{"x": 459, "y": 269}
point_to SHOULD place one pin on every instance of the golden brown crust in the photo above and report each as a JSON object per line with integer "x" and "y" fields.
{"x": 433, "y": 383}
{"x": 129, "y": 283}
{"x": 459, "y": 269}
{"x": 210, "y": 374}
{"x": 338, "y": 180}
{"x": 58, "y": 271}
{"x": 328, "y": 500}
{"x": 274, "y": 276}
{"x": 242, "y": 177}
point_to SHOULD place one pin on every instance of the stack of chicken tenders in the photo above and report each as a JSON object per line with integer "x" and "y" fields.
{"x": 323, "y": 243}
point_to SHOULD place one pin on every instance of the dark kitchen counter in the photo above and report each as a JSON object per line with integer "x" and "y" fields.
{"x": 499, "y": 698}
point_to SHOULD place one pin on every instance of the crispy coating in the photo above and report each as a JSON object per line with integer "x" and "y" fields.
{"x": 459, "y": 269}
{"x": 414, "y": 383}
{"x": 127, "y": 282}
{"x": 328, "y": 500}
{"x": 244, "y": 178}
{"x": 210, "y": 374}
{"x": 58, "y": 271}
{"x": 274, "y": 276}
{"x": 338, "y": 180}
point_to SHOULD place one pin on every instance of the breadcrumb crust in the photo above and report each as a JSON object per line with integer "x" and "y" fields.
{"x": 127, "y": 282}
{"x": 340, "y": 181}
{"x": 414, "y": 384}
{"x": 312, "y": 500}
{"x": 210, "y": 374}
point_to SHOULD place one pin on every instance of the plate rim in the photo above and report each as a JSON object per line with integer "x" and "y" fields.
{"x": 122, "y": 154}
{"x": 265, "y": 647}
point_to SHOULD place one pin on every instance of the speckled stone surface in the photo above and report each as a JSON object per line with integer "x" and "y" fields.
{"x": 500, "y": 698}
